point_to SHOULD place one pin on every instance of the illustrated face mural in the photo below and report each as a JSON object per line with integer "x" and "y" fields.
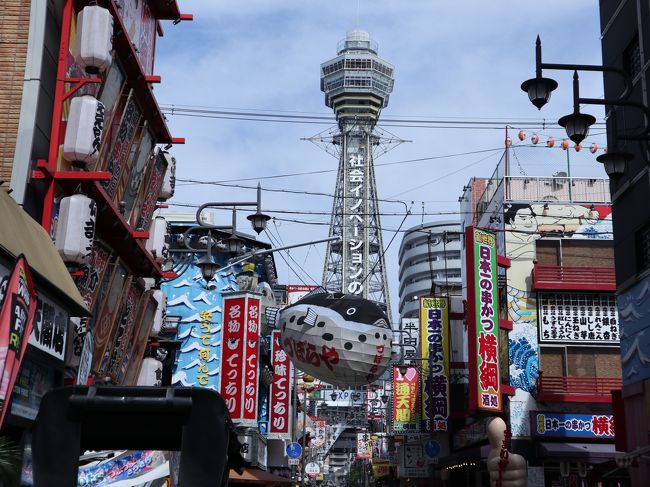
{"x": 340, "y": 339}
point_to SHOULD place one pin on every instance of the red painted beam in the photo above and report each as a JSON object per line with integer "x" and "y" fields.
{"x": 187, "y": 17}
{"x": 505, "y": 324}
{"x": 140, "y": 234}
{"x": 153, "y": 79}
{"x": 503, "y": 261}
{"x": 178, "y": 140}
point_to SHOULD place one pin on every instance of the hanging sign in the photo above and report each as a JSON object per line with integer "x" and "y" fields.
{"x": 483, "y": 320}
{"x": 279, "y": 407}
{"x": 434, "y": 327}
{"x": 364, "y": 445}
{"x": 240, "y": 357}
{"x": 405, "y": 401}
{"x": 16, "y": 319}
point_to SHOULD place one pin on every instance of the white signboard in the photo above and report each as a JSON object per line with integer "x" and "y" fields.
{"x": 312, "y": 469}
{"x": 364, "y": 445}
{"x": 50, "y": 328}
{"x": 578, "y": 318}
{"x": 413, "y": 461}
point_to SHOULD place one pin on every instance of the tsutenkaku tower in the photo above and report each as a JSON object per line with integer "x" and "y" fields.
{"x": 357, "y": 84}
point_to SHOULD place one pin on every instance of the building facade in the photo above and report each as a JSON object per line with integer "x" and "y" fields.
{"x": 430, "y": 254}
{"x": 558, "y": 324}
{"x": 625, "y": 45}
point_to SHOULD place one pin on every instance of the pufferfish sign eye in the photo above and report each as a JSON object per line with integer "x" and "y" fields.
{"x": 341, "y": 339}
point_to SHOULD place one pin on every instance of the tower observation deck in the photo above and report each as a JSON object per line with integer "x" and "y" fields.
{"x": 357, "y": 84}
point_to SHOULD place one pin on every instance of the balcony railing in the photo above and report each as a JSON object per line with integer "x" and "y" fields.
{"x": 574, "y": 278}
{"x": 577, "y": 389}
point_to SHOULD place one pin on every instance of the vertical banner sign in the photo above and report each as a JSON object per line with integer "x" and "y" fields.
{"x": 434, "y": 343}
{"x": 356, "y": 208}
{"x": 279, "y": 417}
{"x": 251, "y": 360}
{"x": 232, "y": 354}
{"x": 16, "y": 320}
{"x": 364, "y": 446}
{"x": 483, "y": 320}
{"x": 405, "y": 402}
{"x": 240, "y": 357}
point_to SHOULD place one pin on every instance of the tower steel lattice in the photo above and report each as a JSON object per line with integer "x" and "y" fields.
{"x": 357, "y": 84}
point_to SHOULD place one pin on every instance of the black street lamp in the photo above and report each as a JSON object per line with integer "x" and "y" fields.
{"x": 577, "y": 124}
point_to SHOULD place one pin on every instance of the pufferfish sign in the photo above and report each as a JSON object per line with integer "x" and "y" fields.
{"x": 340, "y": 339}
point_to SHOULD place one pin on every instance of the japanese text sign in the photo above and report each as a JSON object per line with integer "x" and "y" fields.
{"x": 405, "y": 401}
{"x": 434, "y": 329}
{"x": 240, "y": 356}
{"x": 17, "y": 312}
{"x": 279, "y": 404}
{"x": 578, "y": 317}
{"x": 483, "y": 320}
{"x": 364, "y": 445}
{"x": 571, "y": 425}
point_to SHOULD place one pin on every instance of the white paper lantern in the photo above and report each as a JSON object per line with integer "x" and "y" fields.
{"x": 150, "y": 372}
{"x": 157, "y": 243}
{"x": 94, "y": 38}
{"x": 340, "y": 339}
{"x": 169, "y": 183}
{"x": 75, "y": 231}
{"x": 83, "y": 133}
{"x": 161, "y": 312}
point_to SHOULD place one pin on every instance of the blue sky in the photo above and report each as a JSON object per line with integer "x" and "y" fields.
{"x": 461, "y": 60}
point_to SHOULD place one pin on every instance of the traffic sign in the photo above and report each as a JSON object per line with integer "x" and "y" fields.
{"x": 432, "y": 448}
{"x": 294, "y": 450}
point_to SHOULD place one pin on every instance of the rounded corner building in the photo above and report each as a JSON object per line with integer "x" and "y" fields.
{"x": 429, "y": 253}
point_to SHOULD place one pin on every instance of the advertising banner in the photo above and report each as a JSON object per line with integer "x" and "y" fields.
{"x": 571, "y": 425}
{"x": 297, "y": 292}
{"x": 434, "y": 342}
{"x": 483, "y": 320}
{"x": 232, "y": 354}
{"x": 406, "y": 419}
{"x": 280, "y": 405}
{"x": 240, "y": 357}
{"x": 364, "y": 445}
{"x": 578, "y": 317}
{"x": 50, "y": 328}
{"x": 319, "y": 432}
{"x": 145, "y": 204}
{"x": 410, "y": 328}
{"x": 251, "y": 361}
{"x": 16, "y": 319}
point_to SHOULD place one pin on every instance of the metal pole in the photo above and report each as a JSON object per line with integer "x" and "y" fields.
{"x": 294, "y": 400}
{"x": 304, "y": 427}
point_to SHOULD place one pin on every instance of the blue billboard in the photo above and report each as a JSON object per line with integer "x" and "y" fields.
{"x": 571, "y": 425}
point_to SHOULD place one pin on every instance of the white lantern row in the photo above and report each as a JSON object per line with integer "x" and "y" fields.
{"x": 157, "y": 242}
{"x": 75, "y": 231}
{"x": 83, "y": 133}
{"x": 169, "y": 183}
{"x": 94, "y": 38}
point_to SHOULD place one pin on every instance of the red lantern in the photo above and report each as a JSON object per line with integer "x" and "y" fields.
{"x": 534, "y": 139}
{"x": 521, "y": 135}
{"x": 565, "y": 144}
{"x": 593, "y": 148}
{"x": 550, "y": 142}
{"x": 577, "y": 147}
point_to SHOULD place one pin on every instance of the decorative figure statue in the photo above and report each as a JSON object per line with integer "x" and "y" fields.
{"x": 506, "y": 469}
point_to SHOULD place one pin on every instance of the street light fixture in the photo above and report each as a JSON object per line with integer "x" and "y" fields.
{"x": 577, "y": 124}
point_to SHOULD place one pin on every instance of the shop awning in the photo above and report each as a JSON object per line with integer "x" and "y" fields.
{"x": 21, "y": 234}
{"x": 589, "y": 452}
{"x": 254, "y": 476}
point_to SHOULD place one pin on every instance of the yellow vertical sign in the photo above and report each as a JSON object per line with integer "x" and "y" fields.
{"x": 434, "y": 347}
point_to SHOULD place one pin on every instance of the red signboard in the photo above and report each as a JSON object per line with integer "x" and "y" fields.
{"x": 279, "y": 417}
{"x": 232, "y": 354}
{"x": 16, "y": 319}
{"x": 240, "y": 356}
{"x": 251, "y": 361}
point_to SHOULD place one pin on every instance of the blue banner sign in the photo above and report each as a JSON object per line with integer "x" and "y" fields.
{"x": 572, "y": 425}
